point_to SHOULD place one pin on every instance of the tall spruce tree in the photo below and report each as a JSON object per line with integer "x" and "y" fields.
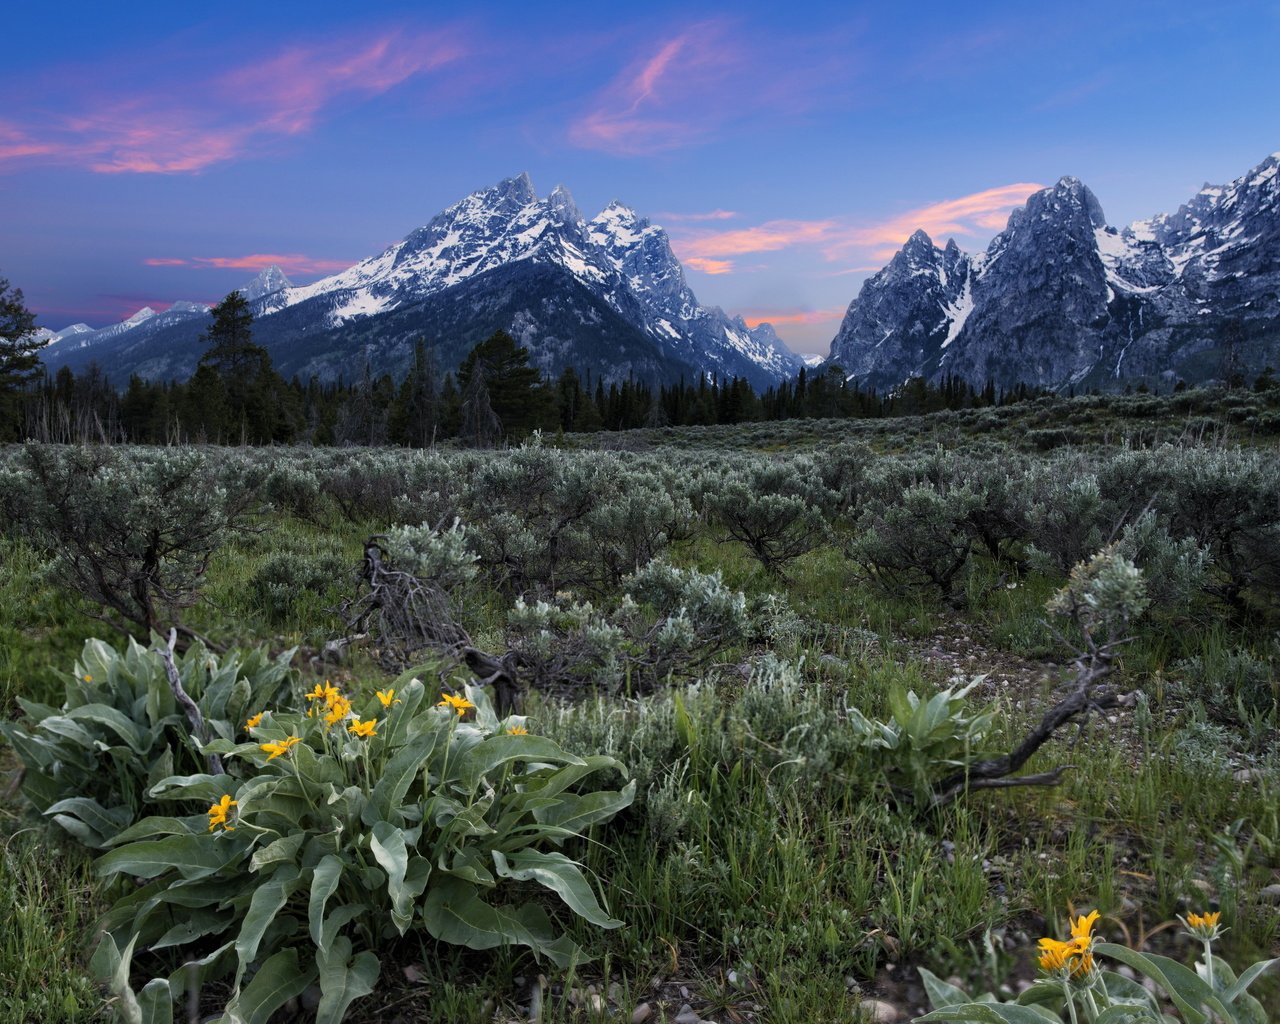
{"x": 19, "y": 355}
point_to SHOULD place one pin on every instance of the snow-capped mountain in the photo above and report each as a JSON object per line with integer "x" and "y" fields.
{"x": 606, "y": 296}
{"x": 1060, "y": 298}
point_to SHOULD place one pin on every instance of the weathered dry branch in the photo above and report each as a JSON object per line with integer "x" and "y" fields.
{"x": 189, "y": 706}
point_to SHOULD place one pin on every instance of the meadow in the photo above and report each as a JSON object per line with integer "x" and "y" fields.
{"x": 738, "y": 755}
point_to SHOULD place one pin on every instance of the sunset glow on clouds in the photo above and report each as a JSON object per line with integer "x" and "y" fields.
{"x": 982, "y": 212}
{"x": 683, "y": 89}
{"x": 796, "y": 146}
{"x": 291, "y": 263}
{"x": 186, "y": 126}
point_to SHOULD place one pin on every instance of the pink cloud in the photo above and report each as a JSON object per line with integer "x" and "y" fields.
{"x": 800, "y": 316}
{"x": 709, "y": 215}
{"x": 967, "y": 216}
{"x": 185, "y": 126}
{"x": 290, "y": 263}
{"x": 709, "y": 266}
{"x": 684, "y": 89}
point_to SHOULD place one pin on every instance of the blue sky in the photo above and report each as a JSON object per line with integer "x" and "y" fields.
{"x": 149, "y": 154}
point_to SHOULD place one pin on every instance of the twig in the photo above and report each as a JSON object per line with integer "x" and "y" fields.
{"x": 198, "y": 727}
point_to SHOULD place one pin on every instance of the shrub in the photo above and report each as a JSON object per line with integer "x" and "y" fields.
{"x": 349, "y": 827}
{"x": 88, "y": 765}
{"x": 286, "y": 575}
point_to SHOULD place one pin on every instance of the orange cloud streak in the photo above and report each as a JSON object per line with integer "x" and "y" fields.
{"x": 967, "y": 216}
{"x": 805, "y": 316}
{"x": 709, "y": 266}
{"x": 290, "y": 263}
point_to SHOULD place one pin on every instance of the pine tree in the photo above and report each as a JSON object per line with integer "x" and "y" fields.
{"x": 19, "y": 358}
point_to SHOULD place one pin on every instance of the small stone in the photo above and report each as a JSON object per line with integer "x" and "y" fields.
{"x": 687, "y": 1016}
{"x": 1247, "y": 775}
{"x": 1271, "y": 892}
{"x": 597, "y": 1003}
{"x": 641, "y": 1013}
{"x": 877, "y": 1011}
{"x": 1201, "y": 885}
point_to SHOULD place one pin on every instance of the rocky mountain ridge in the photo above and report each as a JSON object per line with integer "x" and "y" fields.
{"x": 1061, "y": 299}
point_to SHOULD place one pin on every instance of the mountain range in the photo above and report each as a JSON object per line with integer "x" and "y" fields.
{"x": 606, "y": 296}
{"x": 1059, "y": 299}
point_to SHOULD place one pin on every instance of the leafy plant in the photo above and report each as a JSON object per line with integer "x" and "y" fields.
{"x": 351, "y": 825}
{"x": 924, "y": 739}
{"x": 1073, "y": 983}
{"x": 87, "y": 766}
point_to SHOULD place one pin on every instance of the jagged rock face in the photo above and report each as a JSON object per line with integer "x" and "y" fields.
{"x": 618, "y": 262}
{"x": 1059, "y": 298}
{"x": 270, "y": 281}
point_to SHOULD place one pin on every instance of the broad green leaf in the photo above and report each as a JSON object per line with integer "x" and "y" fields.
{"x": 1126, "y": 1013}
{"x": 1250, "y": 975}
{"x": 561, "y": 875}
{"x": 109, "y": 718}
{"x": 194, "y": 924}
{"x": 551, "y": 781}
{"x": 992, "y": 1013}
{"x": 343, "y": 979}
{"x": 200, "y": 788}
{"x": 279, "y": 979}
{"x": 389, "y": 850}
{"x": 941, "y": 993}
{"x": 283, "y": 849}
{"x": 106, "y": 823}
{"x": 398, "y": 776}
{"x": 160, "y": 826}
{"x": 410, "y": 694}
{"x": 454, "y": 913}
{"x": 191, "y": 856}
{"x": 1123, "y": 990}
{"x": 324, "y": 881}
{"x": 576, "y": 813}
{"x": 267, "y": 900}
{"x": 1183, "y": 987}
{"x": 68, "y": 728}
{"x": 496, "y": 751}
{"x": 155, "y": 1002}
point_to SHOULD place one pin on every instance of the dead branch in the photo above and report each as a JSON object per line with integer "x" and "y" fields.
{"x": 189, "y": 706}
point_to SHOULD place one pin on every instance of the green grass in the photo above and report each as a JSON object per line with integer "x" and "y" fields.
{"x": 761, "y": 842}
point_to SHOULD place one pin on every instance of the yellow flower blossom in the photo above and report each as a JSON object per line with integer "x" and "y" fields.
{"x": 365, "y": 729}
{"x": 326, "y": 692}
{"x": 339, "y": 708}
{"x": 255, "y": 721}
{"x": 517, "y": 730}
{"x": 388, "y": 697}
{"x": 1082, "y": 928}
{"x": 218, "y": 813}
{"x": 87, "y": 679}
{"x": 459, "y": 704}
{"x": 274, "y": 750}
{"x": 1204, "y": 926}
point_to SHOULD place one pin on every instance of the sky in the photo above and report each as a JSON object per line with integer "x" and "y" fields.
{"x": 150, "y": 152}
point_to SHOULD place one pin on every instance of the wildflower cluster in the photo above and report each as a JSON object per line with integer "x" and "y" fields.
{"x": 338, "y": 708}
{"x": 1073, "y": 958}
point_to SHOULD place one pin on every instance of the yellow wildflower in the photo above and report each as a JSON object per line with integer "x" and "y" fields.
{"x": 1204, "y": 926}
{"x": 365, "y": 729}
{"x": 326, "y": 692}
{"x": 1082, "y": 928}
{"x": 517, "y": 730}
{"x": 339, "y": 708}
{"x": 459, "y": 704}
{"x": 218, "y": 813}
{"x": 87, "y": 679}
{"x": 255, "y": 721}
{"x": 1065, "y": 956}
{"x": 274, "y": 750}
{"x": 388, "y": 697}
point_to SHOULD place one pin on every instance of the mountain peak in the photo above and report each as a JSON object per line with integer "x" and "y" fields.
{"x": 560, "y": 203}
{"x": 270, "y": 280}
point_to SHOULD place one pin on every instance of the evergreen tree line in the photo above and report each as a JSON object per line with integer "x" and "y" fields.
{"x": 235, "y": 396}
